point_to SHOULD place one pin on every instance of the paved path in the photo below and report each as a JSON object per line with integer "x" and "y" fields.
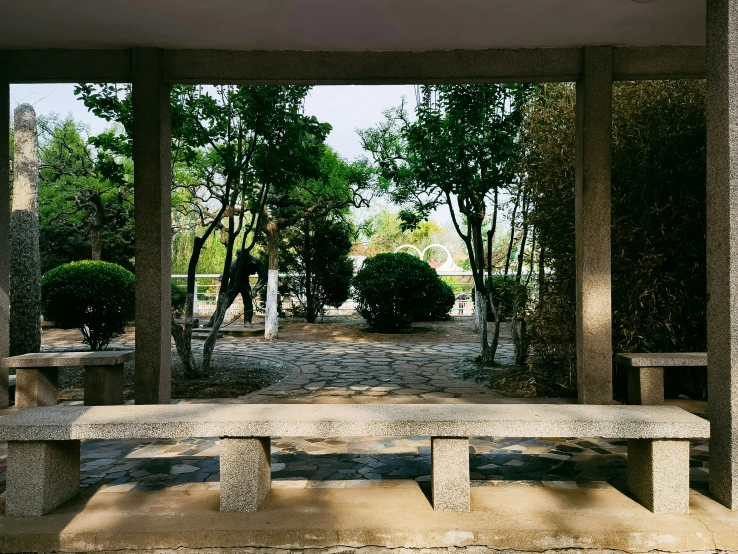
{"x": 361, "y": 372}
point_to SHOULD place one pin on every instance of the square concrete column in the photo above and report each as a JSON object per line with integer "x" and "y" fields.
{"x": 153, "y": 202}
{"x": 4, "y": 236}
{"x": 592, "y": 225}
{"x": 41, "y": 475}
{"x": 645, "y": 385}
{"x": 722, "y": 247}
{"x": 658, "y": 474}
{"x": 450, "y": 480}
{"x": 36, "y": 387}
{"x": 104, "y": 385}
{"x": 245, "y": 473}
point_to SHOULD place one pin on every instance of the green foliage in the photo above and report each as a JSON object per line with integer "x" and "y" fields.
{"x": 441, "y": 299}
{"x": 98, "y": 298}
{"x": 461, "y": 151}
{"x": 83, "y": 207}
{"x": 510, "y": 294}
{"x": 658, "y": 220}
{"x": 179, "y": 299}
{"x": 316, "y": 252}
{"x": 394, "y": 290}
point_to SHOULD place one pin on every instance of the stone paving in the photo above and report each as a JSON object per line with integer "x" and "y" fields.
{"x": 340, "y": 372}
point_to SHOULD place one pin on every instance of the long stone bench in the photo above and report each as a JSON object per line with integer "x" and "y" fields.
{"x": 37, "y": 376}
{"x": 646, "y": 373}
{"x": 44, "y": 443}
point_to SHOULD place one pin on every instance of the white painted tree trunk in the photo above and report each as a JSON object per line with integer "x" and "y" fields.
{"x": 271, "y": 318}
{"x": 479, "y": 312}
{"x": 25, "y": 263}
{"x": 271, "y": 323}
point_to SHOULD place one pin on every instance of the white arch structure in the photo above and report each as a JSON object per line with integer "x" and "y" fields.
{"x": 447, "y": 267}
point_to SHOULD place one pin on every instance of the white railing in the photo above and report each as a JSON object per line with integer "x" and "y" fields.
{"x": 207, "y": 286}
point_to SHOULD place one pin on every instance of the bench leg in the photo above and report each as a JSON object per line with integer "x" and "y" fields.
{"x": 245, "y": 473}
{"x": 658, "y": 474}
{"x": 450, "y": 474}
{"x": 36, "y": 387}
{"x": 104, "y": 385}
{"x": 645, "y": 385}
{"x": 41, "y": 475}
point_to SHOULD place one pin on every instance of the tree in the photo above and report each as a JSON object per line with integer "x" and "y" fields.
{"x": 86, "y": 201}
{"x": 25, "y": 263}
{"x": 332, "y": 189}
{"x": 460, "y": 152}
{"x": 234, "y": 147}
{"x": 315, "y": 253}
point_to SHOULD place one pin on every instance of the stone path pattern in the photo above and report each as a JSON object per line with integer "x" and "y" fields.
{"x": 378, "y": 372}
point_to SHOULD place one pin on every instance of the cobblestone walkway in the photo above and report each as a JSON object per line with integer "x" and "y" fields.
{"x": 340, "y": 372}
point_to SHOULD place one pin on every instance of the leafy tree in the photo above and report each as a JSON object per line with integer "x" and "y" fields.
{"x": 335, "y": 187}
{"x": 460, "y": 152}
{"x": 315, "y": 253}
{"x": 86, "y": 201}
{"x": 234, "y": 149}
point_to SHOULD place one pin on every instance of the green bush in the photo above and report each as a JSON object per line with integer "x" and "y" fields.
{"x": 439, "y": 303}
{"x": 179, "y": 299}
{"x": 508, "y": 295}
{"x": 394, "y": 290}
{"x": 98, "y": 298}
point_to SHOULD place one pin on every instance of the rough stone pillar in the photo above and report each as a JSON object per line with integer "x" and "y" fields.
{"x": 658, "y": 474}
{"x": 41, "y": 475}
{"x": 645, "y": 385}
{"x": 37, "y": 387}
{"x": 450, "y": 474}
{"x": 592, "y": 222}
{"x": 4, "y": 236}
{"x": 722, "y": 247}
{"x": 25, "y": 261}
{"x": 153, "y": 203}
{"x": 103, "y": 385}
{"x": 245, "y": 473}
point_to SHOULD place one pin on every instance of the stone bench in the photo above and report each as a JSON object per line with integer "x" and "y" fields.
{"x": 43, "y": 466}
{"x": 37, "y": 376}
{"x": 646, "y": 373}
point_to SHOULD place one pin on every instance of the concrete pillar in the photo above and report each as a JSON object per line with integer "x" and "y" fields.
{"x": 658, "y": 474}
{"x": 592, "y": 222}
{"x": 245, "y": 473}
{"x": 36, "y": 387}
{"x": 450, "y": 480}
{"x": 153, "y": 203}
{"x": 41, "y": 475}
{"x": 645, "y": 385}
{"x": 103, "y": 385}
{"x": 4, "y": 236}
{"x": 722, "y": 247}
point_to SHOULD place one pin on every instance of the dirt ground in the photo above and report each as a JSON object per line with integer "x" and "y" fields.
{"x": 332, "y": 329}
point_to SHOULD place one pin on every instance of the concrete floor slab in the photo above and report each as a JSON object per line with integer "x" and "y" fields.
{"x": 515, "y": 518}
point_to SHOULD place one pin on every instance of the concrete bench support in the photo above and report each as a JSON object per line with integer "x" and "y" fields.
{"x": 450, "y": 474}
{"x": 645, "y": 385}
{"x": 658, "y": 474}
{"x": 41, "y": 475}
{"x": 245, "y": 473}
{"x": 104, "y": 385}
{"x": 36, "y": 387}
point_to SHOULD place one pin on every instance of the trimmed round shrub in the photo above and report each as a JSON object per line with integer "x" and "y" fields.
{"x": 438, "y": 305}
{"x": 394, "y": 290}
{"x": 98, "y": 298}
{"x": 179, "y": 299}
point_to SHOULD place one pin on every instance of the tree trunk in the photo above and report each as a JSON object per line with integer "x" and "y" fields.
{"x": 25, "y": 263}
{"x": 96, "y": 242}
{"x": 271, "y": 319}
